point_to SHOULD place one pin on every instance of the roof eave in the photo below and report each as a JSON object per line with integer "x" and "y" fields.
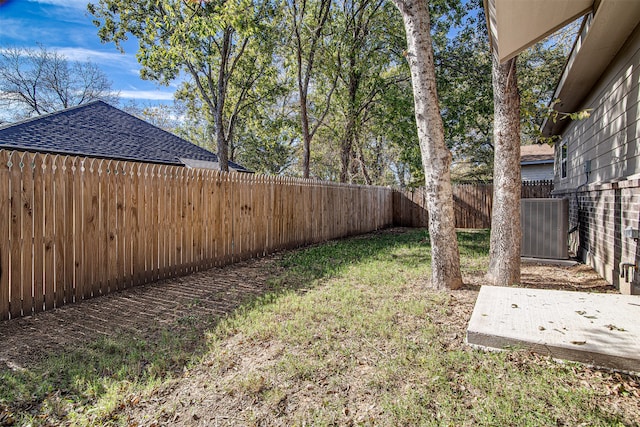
{"x": 514, "y": 26}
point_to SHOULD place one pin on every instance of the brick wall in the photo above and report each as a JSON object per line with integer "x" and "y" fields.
{"x": 599, "y": 214}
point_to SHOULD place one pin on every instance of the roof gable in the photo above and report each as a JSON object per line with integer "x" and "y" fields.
{"x": 97, "y": 129}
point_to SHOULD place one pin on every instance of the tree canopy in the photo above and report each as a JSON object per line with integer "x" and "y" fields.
{"x": 321, "y": 88}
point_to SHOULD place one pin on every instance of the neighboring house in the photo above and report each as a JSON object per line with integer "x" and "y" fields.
{"x": 97, "y": 129}
{"x": 597, "y": 158}
{"x": 536, "y": 162}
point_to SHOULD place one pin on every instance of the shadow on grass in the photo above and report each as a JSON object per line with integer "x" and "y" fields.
{"x": 89, "y": 381}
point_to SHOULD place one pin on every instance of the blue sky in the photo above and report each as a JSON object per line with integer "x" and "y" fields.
{"x": 66, "y": 27}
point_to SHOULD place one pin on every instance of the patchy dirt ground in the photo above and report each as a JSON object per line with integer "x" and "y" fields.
{"x": 205, "y": 396}
{"x": 142, "y": 311}
{"x": 201, "y": 396}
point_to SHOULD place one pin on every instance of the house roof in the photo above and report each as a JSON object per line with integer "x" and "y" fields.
{"x": 536, "y": 154}
{"x": 97, "y": 129}
{"x": 514, "y": 25}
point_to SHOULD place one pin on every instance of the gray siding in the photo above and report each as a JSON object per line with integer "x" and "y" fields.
{"x": 610, "y": 138}
{"x": 602, "y": 207}
{"x": 541, "y": 172}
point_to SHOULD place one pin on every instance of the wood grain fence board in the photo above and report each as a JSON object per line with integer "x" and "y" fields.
{"x": 178, "y": 267}
{"x": 5, "y": 248}
{"x": 152, "y": 227}
{"x": 165, "y": 206}
{"x": 276, "y": 214}
{"x": 251, "y": 220}
{"x": 111, "y": 235}
{"x": 144, "y": 234}
{"x": 152, "y": 187}
{"x": 176, "y": 237}
{"x": 213, "y": 218}
{"x": 80, "y": 289}
{"x": 16, "y": 236}
{"x": 247, "y": 223}
{"x": 38, "y": 233}
{"x": 234, "y": 216}
{"x": 227, "y": 218}
{"x": 196, "y": 229}
{"x": 64, "y": 232}
{"x": 242, "y": 215}
{"x": 92, "y": 217}
{"x": 197, "y": 220}
{"x": 217, "y": 212}
{"x": 120, "y": 225}
{"x": 472, "y": 204}
{"x": 203, "y": 216}
{"x": 102, "y": 264}
{"x": 130, "y": 197}
{"x": 86, "y": 227}
{"x": 112, "y": 213}
{"x": 263, "y": 215}
{"x": 211, "y": 190}
{"x": 27, "y": 233}
{"x": 205, "y": 183}
{"x": 134, "y": 225}
{"x": 184, "y": 218}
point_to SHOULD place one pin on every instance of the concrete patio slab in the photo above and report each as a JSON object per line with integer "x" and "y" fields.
{"x": 598, "y": 329}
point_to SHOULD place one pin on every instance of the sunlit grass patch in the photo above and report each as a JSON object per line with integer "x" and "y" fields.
{"x": 349, "y": 334}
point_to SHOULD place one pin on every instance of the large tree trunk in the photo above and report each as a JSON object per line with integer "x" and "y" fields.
{"x": 504, "y": 252}
{"x": 436, "y": 158}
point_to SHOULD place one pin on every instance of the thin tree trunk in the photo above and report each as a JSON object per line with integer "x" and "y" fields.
{"x": 504, "y": 252}
{"x": 436, "y": 158}
{"x": 304, "y": 74}
{"x": 346, "y": 146}
{"x": 306, "y": 136}
{"x": 223, "y": 147}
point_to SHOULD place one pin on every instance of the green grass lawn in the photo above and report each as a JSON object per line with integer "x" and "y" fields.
{"x": 349, "y": 334}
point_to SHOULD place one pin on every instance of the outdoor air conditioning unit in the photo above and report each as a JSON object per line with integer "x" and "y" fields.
{"x": 545, "y": 224}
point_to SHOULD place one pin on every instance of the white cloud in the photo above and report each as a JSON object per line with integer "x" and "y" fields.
{"x": 82, "y": 54}
{"x": 154, "y": 95}
{"x": 77, "y": 4}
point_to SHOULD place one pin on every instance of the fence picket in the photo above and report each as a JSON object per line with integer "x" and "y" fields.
{"x": 15, "y": 236}
{"x": 72, "y": 228}
{"x": 5, "y": 248}
{"x": 38, "y": 233}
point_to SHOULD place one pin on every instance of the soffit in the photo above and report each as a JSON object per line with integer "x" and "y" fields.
{"x": 515, "y": 25}
{"x": 602, "y": 37}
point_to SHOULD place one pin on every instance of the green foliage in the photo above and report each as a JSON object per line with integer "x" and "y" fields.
{"x": 87, "y": 384}
{"x": 220, "y": 51}
{"x": 244, "y": 68}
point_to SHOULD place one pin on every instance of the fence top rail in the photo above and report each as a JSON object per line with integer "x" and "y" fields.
{"x": 126, "y": 167}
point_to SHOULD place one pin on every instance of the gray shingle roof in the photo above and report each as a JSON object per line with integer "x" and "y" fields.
{"x": 97, "y": 129}
{"x": 536, "y": 154}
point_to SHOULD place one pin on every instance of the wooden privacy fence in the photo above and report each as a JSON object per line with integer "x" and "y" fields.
{"x": 74, "y": 228}
{"x": 472, "y": 204}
